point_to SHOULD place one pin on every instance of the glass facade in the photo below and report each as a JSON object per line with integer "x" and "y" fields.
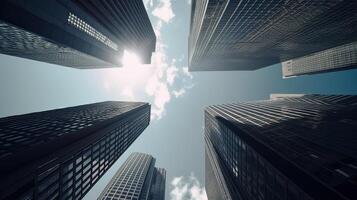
{"x": 284, "y": 148}
{"x": 158, "y": 185}
{"x": 22, "y": 43}
{"x": 80, "y": 34}
{"x": 338, "y": 58}
{"x": 83, "y": 26}
{"x": 76, "y": 146}
{"x": 128, "y": 22}
{"x": 137, "y": 179}
{"x": 248, "y": 35}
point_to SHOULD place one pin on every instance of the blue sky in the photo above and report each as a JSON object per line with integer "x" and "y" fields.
{"x": 175, "y": 135}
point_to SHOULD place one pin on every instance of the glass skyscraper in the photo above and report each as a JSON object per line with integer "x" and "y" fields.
{"x": 137, "y": 179}
{"x": 82, "y": 34}
{"x": 248, "y": 35}
{"x": 300, "y": 147}
{"x": 334, "y": 59}
{"x": 61, "y": 154}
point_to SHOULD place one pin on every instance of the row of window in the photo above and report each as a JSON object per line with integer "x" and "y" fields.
{"x": 73, "y": 178}
{"x": 125, "y": 182}
{"x": 83, "y": 26}
{"x": 254, "y": 176}
{"x": 16, "y": 41}
{"x": 342, "y": 56}
{"x": 37, "y": 128}
{"x": 253, "y": 26}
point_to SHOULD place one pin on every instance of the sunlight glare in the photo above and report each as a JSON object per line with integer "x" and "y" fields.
{"x": 133, "y": 75}
{"x": 130, "y": 59}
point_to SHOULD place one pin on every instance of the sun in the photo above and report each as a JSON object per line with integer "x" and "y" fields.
{"x": 132, "y": 75}
{"x": 130, "y": 59}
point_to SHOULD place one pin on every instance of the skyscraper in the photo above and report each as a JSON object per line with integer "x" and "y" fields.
{"x": 61, "y": 154}
{"x": 76, "y": 33}
{"x": 290, "y": 147}
{"x": 334, "y": 59}
{"x": 137, "y": 178}
{"x": 248, "y": 35}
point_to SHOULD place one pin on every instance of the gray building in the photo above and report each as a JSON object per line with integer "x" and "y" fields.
{"x": 61, "y": 154}
{"x": 248, "y": 35}
{"x": 136, "y": 179}
{"x": 82, "y": 34}
{"x": 290, "y": 147}
{"x": 335, "y": 59}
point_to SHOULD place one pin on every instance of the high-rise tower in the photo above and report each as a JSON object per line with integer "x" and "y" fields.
{"x": 76, "y": 33}
{"x": 334, "y": 59}
{"x": 61, "y": 154}
{"x": 248, "y": 35}
{"x": 137, "y": 178}
{"x": 290, "y": 147}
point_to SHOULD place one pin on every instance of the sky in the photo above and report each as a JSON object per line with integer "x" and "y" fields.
{"x": 178, "y": 97}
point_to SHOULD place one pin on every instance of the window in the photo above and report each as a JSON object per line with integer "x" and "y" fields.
{"x": 83, "y": 26}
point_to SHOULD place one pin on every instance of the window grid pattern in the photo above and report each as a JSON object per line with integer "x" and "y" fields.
{"x": 291, "y": 126}
{"x": 197, "y": 15}
{"x": 73, "y": 178}
{"x": 255, "y": 177}
{"x": 331, "y": 100}
{"x": 18, "y": 42}
{"x": 31, "y": 130}
{"x": 71, "y": 175}
{"x": 82, "y": 171}
{"x": 130, "y": 181}
{"x": 128, "y": 21}
{"x": 337, "y": 58}
{"x": 158, "y": 186}
{"x": 85, "y": 27}
{"x": 266, "y": 32}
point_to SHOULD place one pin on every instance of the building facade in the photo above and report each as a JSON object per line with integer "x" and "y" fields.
{"x": 335, "y": 59}
{"x": 80, "y": 34}
{"x": 137, "y": 179}
{"x": 248, "y": 35}
{"x": 61, "y": 154}
{"x": 292, "y": 147}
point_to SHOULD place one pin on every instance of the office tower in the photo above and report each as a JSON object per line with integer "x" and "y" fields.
{"x": 137, "y": 178}
{"x": 157, "y": 191}
{"x": 285, "y": 148}
{"x": 248, "y": 35}
{"x": 334, "y": 59}
{"x": 83, "y": 34}
{"x": 61, "y": 154}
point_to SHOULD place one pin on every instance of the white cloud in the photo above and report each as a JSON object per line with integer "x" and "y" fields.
{"x": 171, "y": 74}
{"x": 186, "y": 72}
{"x": 187, "y": 189}
{"x": 189, "y": 2}
{"x": 176, "y": 180}
{"x": 164, "y": 11}
{"x": 148, "y": 3}
{"x": 159, "y": 90}
{"x": 179, "y": 93}
{"x": 155, "y": 83}
{"x": 157, "y": 29}
{"x": 128, "y": 93}
{"x": 148, "y": 83}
